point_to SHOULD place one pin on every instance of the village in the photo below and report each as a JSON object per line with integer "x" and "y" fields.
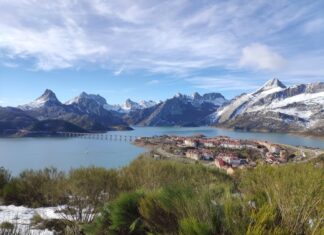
{"x": 222, "y": 152}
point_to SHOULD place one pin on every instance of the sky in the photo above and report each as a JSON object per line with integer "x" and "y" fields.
{"x": 153, "y": 49}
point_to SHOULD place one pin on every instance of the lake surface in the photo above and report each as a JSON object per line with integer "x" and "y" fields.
{"x": 17, "y": 154}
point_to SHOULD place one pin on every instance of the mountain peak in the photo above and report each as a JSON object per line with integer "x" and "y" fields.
{"x": 48, "y": 95}
{"x": 83, "y": 94}
{"x": 47, "y": 98}
{"x": 271, "y": 86}
{"x": 196, "y": 95}
{"x": 84, "y": 97}
{"x": 272, "y": 83}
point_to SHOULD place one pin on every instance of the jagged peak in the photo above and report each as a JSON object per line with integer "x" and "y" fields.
{"x": 275, "y": 82}
{"x": 271, "y": 85}
{"x": 196, "y": 95}
{"x": 179, "y": 95}
{"x": 83, "y": 95}
{"x": 48, "y": 95}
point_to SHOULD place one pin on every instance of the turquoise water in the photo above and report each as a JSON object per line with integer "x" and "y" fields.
{"x": 66, "y": 153}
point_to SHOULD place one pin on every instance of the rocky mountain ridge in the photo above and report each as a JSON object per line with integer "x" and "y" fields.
{"x": 275, "y": 107}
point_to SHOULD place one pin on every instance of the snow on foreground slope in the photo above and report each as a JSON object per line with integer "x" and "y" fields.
{"x": 304, "y": 101}
{"x": 21, "y": 216}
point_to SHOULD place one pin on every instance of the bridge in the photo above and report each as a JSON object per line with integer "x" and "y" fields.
{"x": 109, "y": 136}
{"x": 99, "y": 136}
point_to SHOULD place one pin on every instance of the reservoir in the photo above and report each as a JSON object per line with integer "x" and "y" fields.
{"x": 17, "y": 154}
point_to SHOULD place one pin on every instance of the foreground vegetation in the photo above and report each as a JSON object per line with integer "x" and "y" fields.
{"x": 167, "y": 197}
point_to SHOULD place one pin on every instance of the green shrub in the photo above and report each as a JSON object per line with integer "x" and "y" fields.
{"x": 5, "y": 177}
{"x": 190, "y": 226}
{"x": 295, "y": 190}
{"x": 7, "y": 226}
{"x": 125, "y": 216}
{"x": 36, "y": 188}
{"x": 36, "y": 220}
{"x": 89, "y": 189}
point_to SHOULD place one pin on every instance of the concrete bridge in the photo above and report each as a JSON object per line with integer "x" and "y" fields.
{"x": 98, "y": 136}
{"x": 109, "y": 136}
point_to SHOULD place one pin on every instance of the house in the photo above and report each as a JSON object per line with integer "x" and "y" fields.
{"x": 232, "y": 144}
{"x": 190, "y": 143}
{"x": 283, "y": 155}
{"x": 193, "y": 154}
{"x": 270, "y": 158}
{"x": 209, "y": 144}
{"x": 207, "y": 155}
{"x": 232, "y": 159}
{"x": 274, "y": 149}
{"x": 220, "y": 163}
{"x": 228, "y": 156}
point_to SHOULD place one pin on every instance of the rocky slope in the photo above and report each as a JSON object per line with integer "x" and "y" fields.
{"x": 13, "y": 119}
{"x": 86, "y": 111}
{"x": 130, "y": 106}
{"x": 275, "y": 107}
{"x": 181, "y": 110}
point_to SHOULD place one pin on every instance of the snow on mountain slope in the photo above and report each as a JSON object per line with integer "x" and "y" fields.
{"x": 269, "y": 97}
{"x": 240, "y": 105}
{"x": 275, "y": 107}
{"x": 47, "y": 98}
{"x": 197, "y": 100}
{"x": 130, "y": 105}
{"x": 84, "y": 96}
{"x": 147, "y": 104}
{"x": 309, "y": 99}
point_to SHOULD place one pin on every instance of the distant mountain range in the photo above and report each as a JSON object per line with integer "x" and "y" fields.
{"x": 180, "y": 110}
{"x": 273, "y": 107}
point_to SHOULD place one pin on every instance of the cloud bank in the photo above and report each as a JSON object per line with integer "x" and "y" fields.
{"x": 172, "y": 37}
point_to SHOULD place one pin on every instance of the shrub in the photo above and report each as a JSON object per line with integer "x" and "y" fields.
{"x": 190, "y": 226}
{"x": 5, "y": 177}
{"x": 124, "y": 214}
{"x": 295, "y": 190}
{"x": 89, "y": 189}
{"x": 36, "y": 188}
{"x": 7, "y": 226}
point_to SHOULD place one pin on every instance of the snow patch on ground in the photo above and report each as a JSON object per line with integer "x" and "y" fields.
{"x": 21, "y": 216}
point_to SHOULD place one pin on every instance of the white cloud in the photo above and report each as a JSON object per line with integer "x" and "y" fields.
{"x": 173, "y": 37}
{"x": 259, "y": 56}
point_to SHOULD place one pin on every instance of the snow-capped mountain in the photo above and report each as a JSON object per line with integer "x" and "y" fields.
{"x": 196, "y": 99}
{"x": 48, "y": 98}
{"x": 182, "y": 110}
{"x": 275, "y": 107}
{"x": 86, "y": 111}
{"x": 146, "y": 104}
{"x": 130, "y": 105}
{"x": 84, "y": 96}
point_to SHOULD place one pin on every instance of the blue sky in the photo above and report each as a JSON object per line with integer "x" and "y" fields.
{"x": 154, "y": 49}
